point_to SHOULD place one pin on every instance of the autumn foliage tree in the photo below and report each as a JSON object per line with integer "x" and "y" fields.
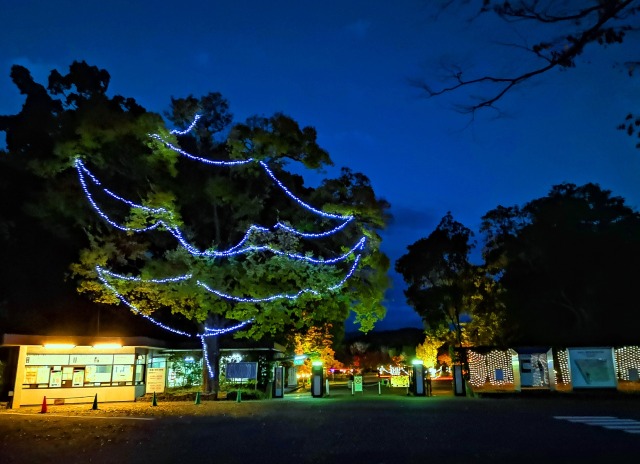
{"x": 317, "y": 344}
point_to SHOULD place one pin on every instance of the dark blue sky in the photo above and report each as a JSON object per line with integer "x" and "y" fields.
{"x": 344, "y": 67}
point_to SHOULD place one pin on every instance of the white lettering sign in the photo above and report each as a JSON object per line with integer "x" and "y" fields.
{"x": 85, "y": 359}
{"x": 47, "y": 359}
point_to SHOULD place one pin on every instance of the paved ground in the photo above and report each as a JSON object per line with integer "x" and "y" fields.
{"x": 365, "y": 428}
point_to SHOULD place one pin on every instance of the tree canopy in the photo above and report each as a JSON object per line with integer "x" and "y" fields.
{"x": 558, "y": 270}
{"x": 102, "y": 170}
{"x": 566, "y": 262}
{"x": 445, "y": 288}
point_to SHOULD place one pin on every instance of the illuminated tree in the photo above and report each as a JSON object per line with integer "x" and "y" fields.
{"x": 266, "y": 281}
{"x": 428, "y": 351}
{"x": 317, "y": 344}
{"x": 206, "y": 222}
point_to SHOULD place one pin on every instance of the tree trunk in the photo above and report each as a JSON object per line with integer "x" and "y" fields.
{"x": 211, "y": 357}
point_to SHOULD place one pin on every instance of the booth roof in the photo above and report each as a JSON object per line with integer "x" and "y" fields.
{"x": 39, "y": 340}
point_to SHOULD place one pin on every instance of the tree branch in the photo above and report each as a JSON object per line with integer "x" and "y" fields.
{"x": 607, "y": 10}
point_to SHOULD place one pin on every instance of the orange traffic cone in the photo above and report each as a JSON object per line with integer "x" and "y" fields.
{"x": 44, "y": 405}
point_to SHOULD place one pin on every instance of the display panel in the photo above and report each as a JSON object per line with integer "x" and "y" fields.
{"x": 97, "y": 374}
{"x": 122, "y": 373}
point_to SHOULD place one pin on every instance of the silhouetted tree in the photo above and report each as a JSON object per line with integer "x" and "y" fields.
{"x": 567, "y": 265}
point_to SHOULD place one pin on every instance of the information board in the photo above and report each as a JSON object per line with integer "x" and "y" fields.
{"x": 400, "y": 381}
{"x": 242, "y": 371}
{"x": 592, "y": 368}
{"x": 155, "y": 379}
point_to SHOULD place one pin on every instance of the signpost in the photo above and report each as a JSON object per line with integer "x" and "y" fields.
{"x": 357, "y": 383}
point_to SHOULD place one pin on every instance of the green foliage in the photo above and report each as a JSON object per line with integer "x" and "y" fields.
{"x": 444, "y": 286}
{"x": 73, "y": 117}
{"x": 189, "y": 371}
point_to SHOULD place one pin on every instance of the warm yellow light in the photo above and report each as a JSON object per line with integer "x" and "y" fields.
{"x": 59, "y": 346}
{"x": 105, "y": 346}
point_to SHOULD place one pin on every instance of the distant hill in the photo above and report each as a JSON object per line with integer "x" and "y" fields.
{"x": 409, "y": 336}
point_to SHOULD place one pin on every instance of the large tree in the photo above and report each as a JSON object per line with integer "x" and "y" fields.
{"x": 567, "y": 263}
{"x": 135, "y": 181}
{"x": 44, "y": 217}
{"x": 543, "y": 36}
{"x": 444, "y": 287}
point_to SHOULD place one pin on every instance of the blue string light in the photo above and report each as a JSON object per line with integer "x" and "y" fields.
{"x": 215, "y": 332}
{"x": 134, "y": 308}
{"x": 249, "y": 160}
{"x": 188, "y": 129}
{"x": 179, "y": 236}
{"x": 298, "y": 200}
{"x": 206, "y": 356}
{"x": 199, "y": 158}
{"x": 209, "y": 332}
{"x": 102, "y": 271}
{"x": 239, "y": 248}
{"x": 282, "y": 296}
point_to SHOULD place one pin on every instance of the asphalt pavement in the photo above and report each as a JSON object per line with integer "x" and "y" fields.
{"x": 343, "y": 428}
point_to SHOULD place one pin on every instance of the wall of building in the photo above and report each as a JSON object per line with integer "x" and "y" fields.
{"x": 77, "y": 374}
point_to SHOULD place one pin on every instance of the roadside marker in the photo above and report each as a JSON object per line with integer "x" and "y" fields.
{"x": 44, "y": 405}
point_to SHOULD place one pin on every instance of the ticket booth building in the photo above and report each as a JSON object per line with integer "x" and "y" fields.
{"x": 76, "y": 369}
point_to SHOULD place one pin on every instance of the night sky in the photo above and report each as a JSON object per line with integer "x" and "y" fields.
{"x": 346, "y": 67}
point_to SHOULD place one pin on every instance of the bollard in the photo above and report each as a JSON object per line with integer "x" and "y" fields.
{"x": 154, "y": 401}
{"x": 197, "y": 398}
{"x": 95, "y": 403}
{"x": 239, "y": 397}
{"x": 379, "y": 390}
{"x": 327, "y": 387}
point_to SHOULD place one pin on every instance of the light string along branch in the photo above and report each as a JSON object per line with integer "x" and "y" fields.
{"x": 84, "y": 172}
{"x": 104, "y": 275}
{"x": 101, "y": 276}
{"x": 188, "y": 129}
{"x": 283, "y": 296}
{"x": 246, "y": 161}
{"x": 199, "y": 158}
{"x": 279, "y": 296}
{"x": 209, "y": 332}
{"x": 205, "y": 352}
